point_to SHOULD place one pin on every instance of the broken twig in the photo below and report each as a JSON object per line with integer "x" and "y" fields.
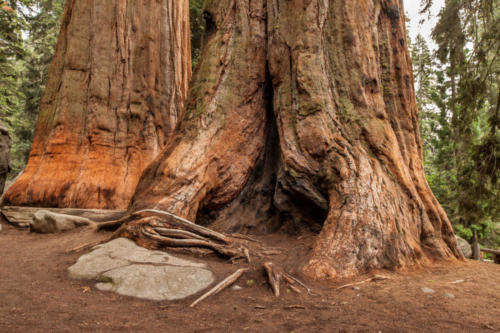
{"x": 221, "y": 286}
{"x": 309, "y": 290}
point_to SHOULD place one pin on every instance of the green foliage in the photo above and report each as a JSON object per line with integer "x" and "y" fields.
{"x": 28, "y": 34}
{"x": 197, "y": 23}
{"x": 459, "y": 99}
{"x": 11, "y": 51}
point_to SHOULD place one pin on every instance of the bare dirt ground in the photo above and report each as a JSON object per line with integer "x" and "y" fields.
{"x": 37, "y": 296}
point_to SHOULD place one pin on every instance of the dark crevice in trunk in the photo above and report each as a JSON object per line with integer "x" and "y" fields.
{"x": 253, "y": 211}
{"x": 268, "y": 202}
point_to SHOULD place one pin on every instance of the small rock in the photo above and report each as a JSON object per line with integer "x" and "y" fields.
{"x": 449, "y": 295}
{"x": 47, "y": 222}
{"x": 236, "y": 287}
{"x": 426, "y": 290}
{"x": 356, "y": 288}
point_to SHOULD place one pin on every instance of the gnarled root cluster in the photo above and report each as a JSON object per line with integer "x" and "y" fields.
{"x": 157, "y": 229}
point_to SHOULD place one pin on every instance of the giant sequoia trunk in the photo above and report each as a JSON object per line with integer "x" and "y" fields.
{"x": 302, "y": 114}
{"x": 115, "y": 93}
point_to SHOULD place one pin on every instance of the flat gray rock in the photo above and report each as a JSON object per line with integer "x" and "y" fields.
{"x": 123, "y": 267}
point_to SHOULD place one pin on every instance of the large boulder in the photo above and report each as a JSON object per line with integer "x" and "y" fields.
{"x": 5, "y": 143}
{"x": 125, "y": 268}
{"x": 47, "y": 222}
{"x": 465, "y": 247}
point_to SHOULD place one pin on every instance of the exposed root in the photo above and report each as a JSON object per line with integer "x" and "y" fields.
{"x": 169, "y": 230}
{"x": 221, "y": 286}
{"x": 172, "y": 220}
{"x": 223, "y": 250}
{"x": 245, "y": 237}
{"x": 175, "y": 233}
{"x": 112, "y": 224}
{"x": 88, "y": 246}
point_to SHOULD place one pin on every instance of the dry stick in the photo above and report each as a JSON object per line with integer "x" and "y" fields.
{"x": 221, "y": 286}
{"x": 247, "y": 255}
{"x": 288, "y": 279}
{"x": 274, "y": 277}
{"x": 309, "y": 290}
{"x": 295, "y": 289}
{"x": 179, "y": 221}
{"x": 295, "y": 307}
{"x": 171, "y": 242}
{"x": 291, "y": 283}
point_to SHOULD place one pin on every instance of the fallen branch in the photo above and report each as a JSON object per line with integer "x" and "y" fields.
{"x": 221, "y": 286}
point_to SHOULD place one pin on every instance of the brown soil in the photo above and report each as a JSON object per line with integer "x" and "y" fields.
{"x": 37, "y": 296}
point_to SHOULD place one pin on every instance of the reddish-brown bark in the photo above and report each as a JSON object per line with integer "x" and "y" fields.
{"x": 302, "y": 113}
{"x": 115, "y": 93}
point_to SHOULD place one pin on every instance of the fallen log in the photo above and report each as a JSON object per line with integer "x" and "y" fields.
{"x": 21, "y": 217}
